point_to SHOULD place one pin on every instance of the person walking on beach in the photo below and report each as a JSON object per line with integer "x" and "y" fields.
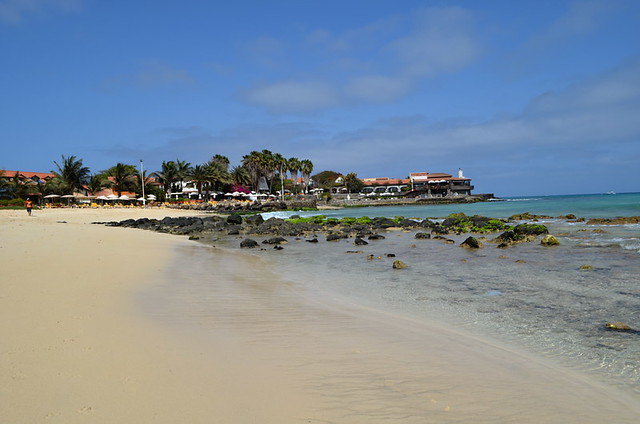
{"x": 28, "y": 204}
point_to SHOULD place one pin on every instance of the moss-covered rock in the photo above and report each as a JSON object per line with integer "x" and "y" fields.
{"x": 549, "y": 240}
{"x": 398, "y": 264}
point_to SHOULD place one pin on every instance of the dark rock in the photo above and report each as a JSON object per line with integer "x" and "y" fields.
{"x": 408, "y": 223}
{"x": 423, "y": 236}
{"x": 471, "y": 243}
{"x": 333, "y": 237}
{"x": 439, "y": 229}
{"x": 248, "y": 244}
{"x": 194, "y": 238}
{"x": 359, "y": 242}
{"x": 313, "y": 240}
{"x": 427, "y": 223}
{"x": 233, "y": 230}
{"x": 391, "y": 255}
{"x": 254, "y": 220}
{"x": 508, "y": 237}
{"x": 382, "y": 222}
{"x": 376, "y": 237}
{"x": 278, "y": 247}
{"x": 234, "y": 219}
{"x": 275, "y": 240}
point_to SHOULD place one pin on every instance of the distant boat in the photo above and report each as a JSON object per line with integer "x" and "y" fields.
{"x": 610, "y": 192}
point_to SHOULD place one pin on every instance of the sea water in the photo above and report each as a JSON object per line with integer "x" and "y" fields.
{"x": 554, "y": 301}
{"x": 551, "y": 301}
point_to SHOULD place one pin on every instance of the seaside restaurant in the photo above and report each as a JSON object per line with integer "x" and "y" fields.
{"x": 425, "y": 184}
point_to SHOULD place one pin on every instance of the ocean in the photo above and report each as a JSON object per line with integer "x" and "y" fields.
{"x": 552, "y": 302}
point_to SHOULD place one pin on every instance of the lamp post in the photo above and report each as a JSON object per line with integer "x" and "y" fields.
{"x": 144, "y": 199}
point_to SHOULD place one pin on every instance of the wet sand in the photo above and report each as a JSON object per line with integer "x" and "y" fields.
{"x": 97, "y": 327}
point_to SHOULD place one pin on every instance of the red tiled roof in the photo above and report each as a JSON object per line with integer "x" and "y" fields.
{"x": 42, "y": 175}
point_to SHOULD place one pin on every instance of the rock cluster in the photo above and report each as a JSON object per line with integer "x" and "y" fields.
{"x": 334, "y": 229}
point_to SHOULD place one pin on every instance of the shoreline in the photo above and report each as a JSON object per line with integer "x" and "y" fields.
{"x": 78, "y": 344}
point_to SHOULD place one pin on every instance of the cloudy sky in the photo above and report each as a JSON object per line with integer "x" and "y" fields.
{"x": 527, "y": 97}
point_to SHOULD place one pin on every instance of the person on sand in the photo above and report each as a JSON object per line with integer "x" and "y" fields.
{"x": 28, "y": 204}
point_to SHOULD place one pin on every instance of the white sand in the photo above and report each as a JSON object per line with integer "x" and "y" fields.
{"x": 75, "y": 347}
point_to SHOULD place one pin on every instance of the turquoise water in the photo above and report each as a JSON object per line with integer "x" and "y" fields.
{"x": 582, "y": 205}
{"x": 539, "y": 299}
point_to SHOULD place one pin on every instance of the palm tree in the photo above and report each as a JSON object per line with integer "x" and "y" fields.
{"x": 97, "y": 182}
{"x": 280, "y": 164}
{"x": 252, "y": 163}
{"x": 72, "y": 175}
{"x": 306, "y": 167}
{"x": 182, "y": 170}
{"x": 293, "y": 165}
{"x": 167, "y": 176}
{"x": 218, "y": 174}
{"x": 221, "y": 160}
{"x": 240, "y": 175}
{"x": 352, "y": 182}
{"x": 201, "y": 176}
{"x": 123, "y": 176}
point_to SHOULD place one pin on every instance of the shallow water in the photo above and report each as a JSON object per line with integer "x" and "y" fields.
{"x": 372, "y": 344}
{"x": 306, "y": 303}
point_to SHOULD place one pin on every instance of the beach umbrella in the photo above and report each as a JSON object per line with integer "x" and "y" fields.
{"x": 102, "y": 198}
{"x": 51, "y": 196}
{"x": 151, "y": 197}
{"x": 124, "y": 197}
{"x": 112, "y": 197}
{"x": 68, "y": 196}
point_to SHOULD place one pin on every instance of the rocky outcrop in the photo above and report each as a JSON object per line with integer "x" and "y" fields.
{"x": 615, "y": 221}
{"x": 471, "y": 243}
{"x": 398, "y": 264}
{"x": 248, "y": 244}
{"x": 549, "y": 240}
{"x": 618, "y": 326}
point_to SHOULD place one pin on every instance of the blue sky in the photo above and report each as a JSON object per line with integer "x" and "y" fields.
{"x": 527, "y": 97}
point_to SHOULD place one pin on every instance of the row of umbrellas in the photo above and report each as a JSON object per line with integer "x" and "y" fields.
{"x": 109, "y": 197}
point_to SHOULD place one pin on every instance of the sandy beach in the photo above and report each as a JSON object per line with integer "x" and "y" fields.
{"x": 77, "y": 348}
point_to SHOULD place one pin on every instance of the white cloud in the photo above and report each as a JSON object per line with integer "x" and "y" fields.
{"x": 16, "y": 11}
{"x": 376, "y": 63}
{"x": 293, "y": 97}
{"x": 377, "y": 88}
{"x": 442, "y": 42}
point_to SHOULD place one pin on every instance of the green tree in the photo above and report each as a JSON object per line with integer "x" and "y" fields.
{"x": 294, "y": 165}
{"x": 123, "y": 177}
{"x": 201, "y": 176}
{"x": 182, "y": 170}
{"x": 352, "y": 182}
{"x": 240, "y": 175}
{"x": 306, "y": 167}
{"x": 167, "y": 176}
{"x": 326, "y": 179}
{"x": 97, "y": 182}
{"x": 222, "y": 161}
{"x": 252, "y": 163}
{"x": 71, "y": 173}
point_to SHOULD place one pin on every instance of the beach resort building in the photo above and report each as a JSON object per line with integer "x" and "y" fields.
{"x": 437, "y": 184}
{"x": 419, "y": 184}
